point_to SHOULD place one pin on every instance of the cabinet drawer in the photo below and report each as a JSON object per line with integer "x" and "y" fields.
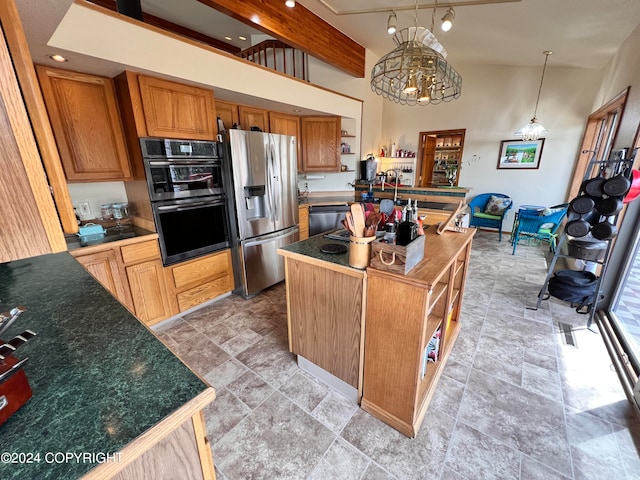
{"x": 197, "y": 271}
{"x": 139, "y": 252}
{"x": 202, "y": 293}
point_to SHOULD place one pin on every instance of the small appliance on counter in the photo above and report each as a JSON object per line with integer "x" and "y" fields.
{"x": 368, "y": 169}
{"x": 14, "y": 386}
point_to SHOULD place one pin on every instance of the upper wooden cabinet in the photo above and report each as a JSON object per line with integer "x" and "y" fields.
{"x": 253, "y": 117}
{"x": 287, "y": 125}
{"x": 228, "y": 113}
{"x": 320, "y": 144}
{"x": 164, "y": 109}
{"x": 86, "y": 124}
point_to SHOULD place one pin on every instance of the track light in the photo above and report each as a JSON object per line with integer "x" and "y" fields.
{"x": 290, "y": 3}
{"x": 447, "y": 20}
{"x": 391, "y": 23}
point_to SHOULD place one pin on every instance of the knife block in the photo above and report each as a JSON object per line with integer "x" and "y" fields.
{"x": 14, "y": 391}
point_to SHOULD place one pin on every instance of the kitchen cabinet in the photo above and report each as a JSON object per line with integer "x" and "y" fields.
{"x": 86, "y": 124}
{"x": 146, "y": 281}
{"x": 228, "y": 113}
{"x": 287, "y": 125}
{"x": 105, "y": 267}
{"x": 320, "y": 144}
{"x": 30, "y": 224}
{"x": 132, "y": 271}
{"x": 403, "y": 360}
{"x": 199, "y": 280}
{"x": 253, "y": 117}
{"x": 165, "y": 109}
{"x": 303, "y": 225}
{"x": 441, "y": 157}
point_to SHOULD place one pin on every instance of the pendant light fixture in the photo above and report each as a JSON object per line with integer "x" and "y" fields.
{"x": 533, "y": 130}
{"x": 416, "y": 72}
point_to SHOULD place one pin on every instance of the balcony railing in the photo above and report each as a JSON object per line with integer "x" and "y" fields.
{"x": 278, "y": 56}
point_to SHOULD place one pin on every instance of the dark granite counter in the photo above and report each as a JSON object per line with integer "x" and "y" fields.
{"x": 311, "y": 248}
{"x": 99, "y": 377}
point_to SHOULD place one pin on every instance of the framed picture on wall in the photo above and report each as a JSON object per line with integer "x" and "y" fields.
{"x": 520, "y": 154}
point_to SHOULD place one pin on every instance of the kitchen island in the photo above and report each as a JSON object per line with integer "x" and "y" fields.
{"x": 109, "y": 399}
{"x": 386, "y": 335}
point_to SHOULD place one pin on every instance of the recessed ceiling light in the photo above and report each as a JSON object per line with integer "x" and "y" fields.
{"x": 242, "y": 37}
{"x": 57, "y": 58}
{"x": 228, "y": 38}
{"x": 296, "y": 110}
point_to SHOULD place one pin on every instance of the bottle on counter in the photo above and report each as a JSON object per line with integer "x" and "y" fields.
{"x": 394, "y": 150}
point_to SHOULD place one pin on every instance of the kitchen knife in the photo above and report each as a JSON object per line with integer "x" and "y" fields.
{"x": 7, "y": 318}
{"x": 16, "y": 342}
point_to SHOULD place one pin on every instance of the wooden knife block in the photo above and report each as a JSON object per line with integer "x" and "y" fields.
{"x": 15, "y": 390}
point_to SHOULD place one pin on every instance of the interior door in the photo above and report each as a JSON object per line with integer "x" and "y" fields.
{"x": 428, "y": 149}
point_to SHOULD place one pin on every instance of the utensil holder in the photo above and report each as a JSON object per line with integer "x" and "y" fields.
{"x": 360, "y": 251}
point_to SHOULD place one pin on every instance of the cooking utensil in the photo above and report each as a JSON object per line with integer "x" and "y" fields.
{"x": 617, "y": 186}
{"x": 604, "y": 230}
{"x": 593, "y": 186}
{"x": 357, "y": 213}
{"x": 582, "y": 204}
{"x": 386, "y": 206}
{"x": 350, "y": 223}
{"x": 609, "y": 206}
{"x": 12, "y": 345}
{"x": 8, "y": 318}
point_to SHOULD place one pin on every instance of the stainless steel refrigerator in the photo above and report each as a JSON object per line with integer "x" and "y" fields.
{"x": 264, "y": 171}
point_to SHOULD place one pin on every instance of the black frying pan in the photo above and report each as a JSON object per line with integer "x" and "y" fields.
{"x": 582, "y": 204}
{"x": 609, "y": 206}
{"x": 604, "y": 230}
{"x": 617, "y": 186}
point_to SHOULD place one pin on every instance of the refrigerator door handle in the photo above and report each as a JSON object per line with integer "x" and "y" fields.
{"x": 269, "y": 185}
{"x": 276, "y": 183}
{"x": 270, "y": 237}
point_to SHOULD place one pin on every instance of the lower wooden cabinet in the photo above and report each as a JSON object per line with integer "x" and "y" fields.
{"x": 199, "y": 280}
{"x": 133, "y": 273}
{"x": 105, "y": 268}
{"x": 303, "y": 225}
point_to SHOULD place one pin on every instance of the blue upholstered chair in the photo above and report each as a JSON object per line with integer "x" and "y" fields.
{"x": 540, "y": 225}
{"x": 480, "y": 216}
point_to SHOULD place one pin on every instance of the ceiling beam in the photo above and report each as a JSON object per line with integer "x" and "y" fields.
{"x": 299, "y": 28}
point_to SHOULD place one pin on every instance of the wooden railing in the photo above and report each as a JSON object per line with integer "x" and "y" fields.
{"x": 278, "y": 56}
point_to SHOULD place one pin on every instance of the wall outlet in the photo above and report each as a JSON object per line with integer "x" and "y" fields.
{"x": 84, "y": 209}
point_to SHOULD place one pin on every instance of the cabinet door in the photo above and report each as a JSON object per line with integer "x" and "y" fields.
{"x": 253, "y": 117}
{"x": 303, "y": 215}
{"x": 29, "y": 223}
{"x": 287, "y": 125}
{"x": 148, "y": 291}
{"x": 228, "y": 113}
{"x": 86, "y": 124}
{"x": 104, "y": 267}
{"x": 174, "y": 110}
{"x": 320, "y": 142}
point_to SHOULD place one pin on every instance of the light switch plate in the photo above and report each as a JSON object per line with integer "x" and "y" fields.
{"x": 84, "y": 209}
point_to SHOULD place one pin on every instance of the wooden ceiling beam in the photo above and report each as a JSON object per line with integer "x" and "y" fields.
{"x": 297, "y": 27}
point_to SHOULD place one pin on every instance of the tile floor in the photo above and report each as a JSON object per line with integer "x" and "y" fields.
{"x": 515, "y": 400}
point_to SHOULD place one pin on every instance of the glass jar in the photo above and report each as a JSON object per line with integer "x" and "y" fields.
{"x": 106, "y": 212}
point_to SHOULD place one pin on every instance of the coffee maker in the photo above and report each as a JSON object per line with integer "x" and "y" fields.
{"x": 368, "y": 169}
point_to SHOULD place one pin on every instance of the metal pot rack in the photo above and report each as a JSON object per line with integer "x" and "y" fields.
{"x": 613, "y": 166}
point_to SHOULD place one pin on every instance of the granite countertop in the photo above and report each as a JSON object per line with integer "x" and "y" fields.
{"x": 326, "y": 200}
{"x": 311, "y": 248}
{"x": 99, "y": 377}
{"x": 112, "y": 234}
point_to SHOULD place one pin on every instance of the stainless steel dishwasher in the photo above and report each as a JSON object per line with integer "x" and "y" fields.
{"x": 324, "y": 218}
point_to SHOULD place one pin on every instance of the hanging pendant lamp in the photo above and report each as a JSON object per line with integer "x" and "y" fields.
{"x": 533, "y": 130}
{"x": 416, "y": 72}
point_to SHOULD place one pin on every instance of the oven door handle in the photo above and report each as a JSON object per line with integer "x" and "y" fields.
{"x": 166, "y": 163}
{"x": 189, "y": 206}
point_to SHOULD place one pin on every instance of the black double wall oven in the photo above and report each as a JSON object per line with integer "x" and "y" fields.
{"x": 187, "y": 185}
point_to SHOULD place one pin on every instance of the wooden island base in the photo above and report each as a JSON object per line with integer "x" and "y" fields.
{"x": 386, "y": 334}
